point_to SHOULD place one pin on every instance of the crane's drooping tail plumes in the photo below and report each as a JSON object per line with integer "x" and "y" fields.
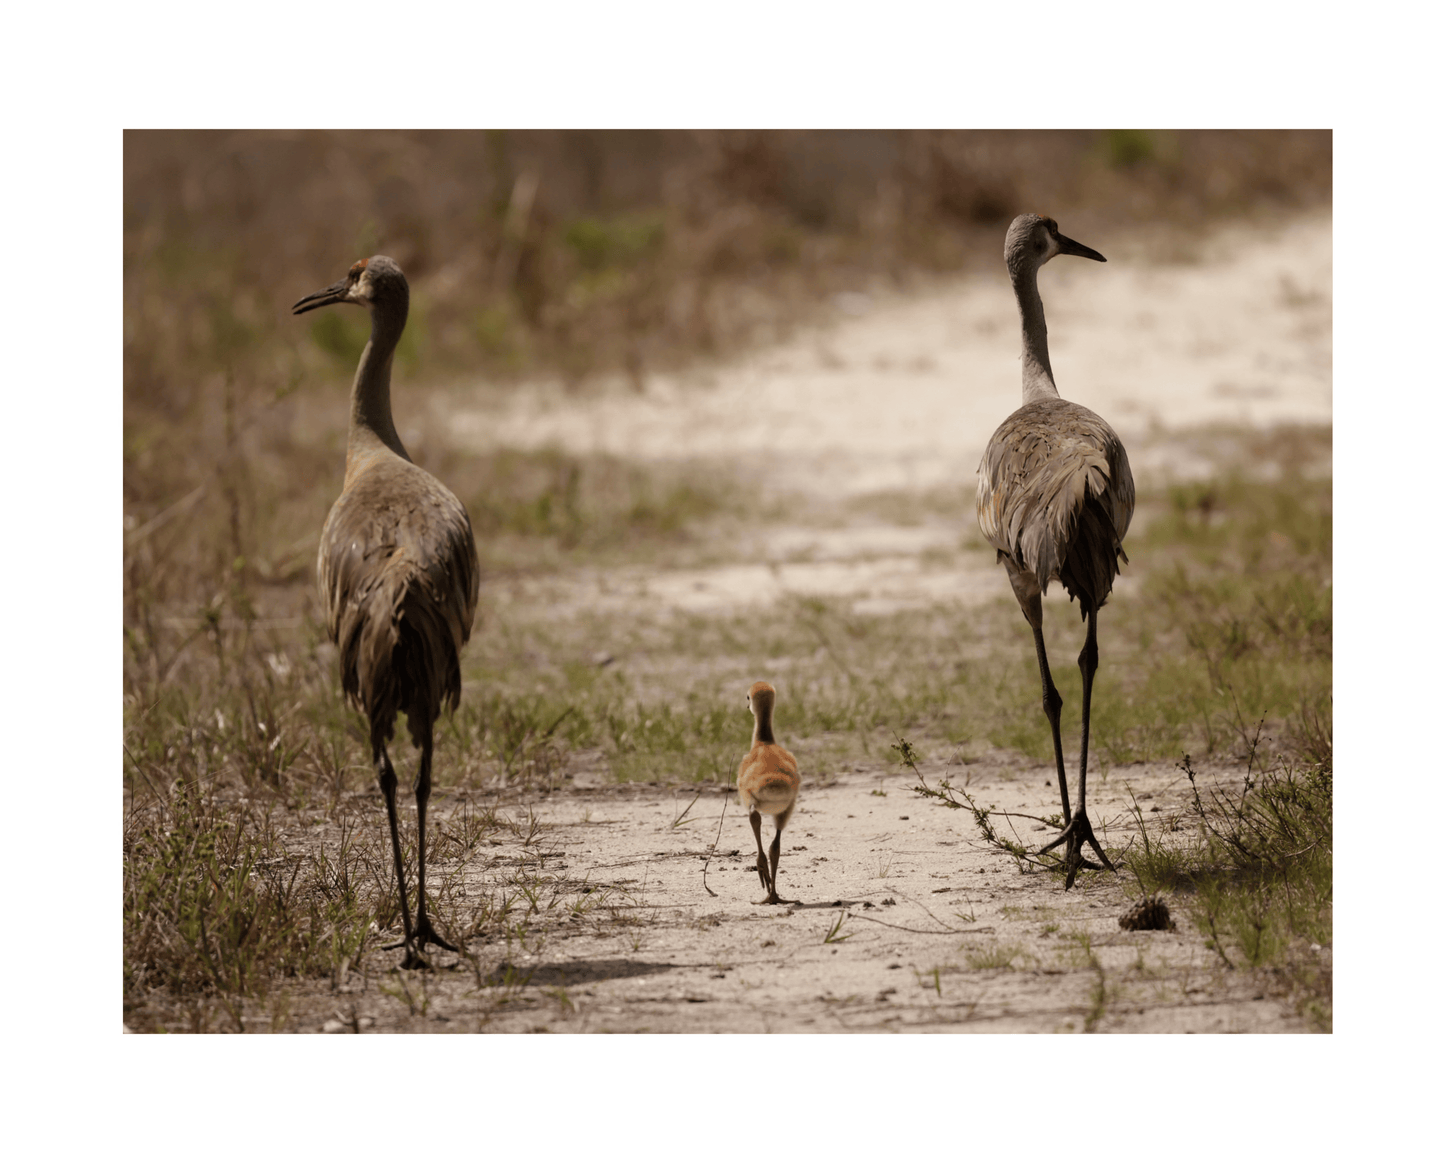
{"x": 1055, "y": 498}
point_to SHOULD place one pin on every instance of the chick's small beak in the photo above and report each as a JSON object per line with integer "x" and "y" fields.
{"x": 1071, "y": 248}
{"x": 328, "y": 296}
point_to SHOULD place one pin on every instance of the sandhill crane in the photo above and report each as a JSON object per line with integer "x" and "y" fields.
{"x": 1055, "y": 497}
{"x": 767, "y": 785}
{"x": 398, "y": 573}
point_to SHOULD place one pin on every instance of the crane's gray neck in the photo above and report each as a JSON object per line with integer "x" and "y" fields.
{"x": 371, "y": 422}
{"x": 1038, "y": 374}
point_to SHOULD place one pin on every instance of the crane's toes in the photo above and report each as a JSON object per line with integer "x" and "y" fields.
{"x": 1081, "y": 864}
{"x": 1064, "y": 836}
{"x": 415, "y": 956}
{"x": 1103, "y": 859}
{"x": 426, "y": 933}
{"x": 1074, "y": 837}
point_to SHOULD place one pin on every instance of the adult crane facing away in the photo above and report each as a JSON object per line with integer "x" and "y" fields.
{"x": 398, "y": 573}
{"x": 1055, "y": 497}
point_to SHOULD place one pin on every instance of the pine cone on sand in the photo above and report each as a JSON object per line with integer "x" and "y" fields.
{"x": 1149, "y": 914}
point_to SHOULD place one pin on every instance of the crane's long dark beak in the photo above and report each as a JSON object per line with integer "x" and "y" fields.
{"x": 1071, "y": 248}
{"x": 331, "y": 295}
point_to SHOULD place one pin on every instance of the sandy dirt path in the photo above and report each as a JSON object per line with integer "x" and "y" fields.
{"x": 901, "y": 921}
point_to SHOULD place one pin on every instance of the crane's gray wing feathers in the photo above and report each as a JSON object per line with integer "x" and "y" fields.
{"x": 399, "y": 578}
{"x": 1055, "y": 494}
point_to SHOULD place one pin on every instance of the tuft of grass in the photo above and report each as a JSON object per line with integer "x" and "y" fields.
{"x": 1083, "y": 954}
{"x": 546, "y": 504}
{"x": 1258, "y": 875}
{"x": 992, "y": 956}
{"x": 215, "y": 910}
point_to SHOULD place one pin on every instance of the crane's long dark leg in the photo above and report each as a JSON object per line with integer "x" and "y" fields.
{"x": 425, "y": 933}
{"x": 774, "y": 853}
{"x": 386, "y": 777}
{"x": 764, "y": 875}
{"x": 1088, "y": 664}
{"x": 1026, "y": 590}
{"x": 1080, "y": 830}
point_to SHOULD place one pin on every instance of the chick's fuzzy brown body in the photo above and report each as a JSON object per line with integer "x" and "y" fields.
{"x": 768, "y": 779}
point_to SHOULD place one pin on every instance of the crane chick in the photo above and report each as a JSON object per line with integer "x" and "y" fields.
{"x": 767, "y": 785}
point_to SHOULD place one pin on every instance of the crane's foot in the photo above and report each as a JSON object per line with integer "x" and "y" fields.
{"x": 415, "y": 944}
{"x": 765, "y": 876}
{"x": 415, "y": 960}
{"x": 415, "y": 955}
{"x": 426, "y": 933}
{"x": 1079, "y": 832}
{"x": 772, "y": 898}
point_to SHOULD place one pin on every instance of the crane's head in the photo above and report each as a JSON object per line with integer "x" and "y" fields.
{"x": 1033, "y": 240}
{"x": 760, "y": 699}
{"x": 372, "y": 282}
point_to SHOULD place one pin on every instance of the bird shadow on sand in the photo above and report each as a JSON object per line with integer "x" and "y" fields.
{"x": 573, "y": 972}
{"x": 822, "y": 904}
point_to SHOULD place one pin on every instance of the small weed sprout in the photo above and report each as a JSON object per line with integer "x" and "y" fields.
{"x": 995, "y": 955}
{"x": 682, "y": 820}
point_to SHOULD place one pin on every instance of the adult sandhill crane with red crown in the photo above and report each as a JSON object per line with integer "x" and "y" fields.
{"x": 398, "y": 574}
{"x": 1055, "y": 497}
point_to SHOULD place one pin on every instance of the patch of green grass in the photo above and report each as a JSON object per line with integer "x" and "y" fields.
{"x": 1126, "y": 148}
{"x": 600, "y": 244}
{"x": 1258, "y": 875}
{"x": 588, "y": 504}
{"x": 216, "y": 910}
{"x": 1081, "y": 953}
